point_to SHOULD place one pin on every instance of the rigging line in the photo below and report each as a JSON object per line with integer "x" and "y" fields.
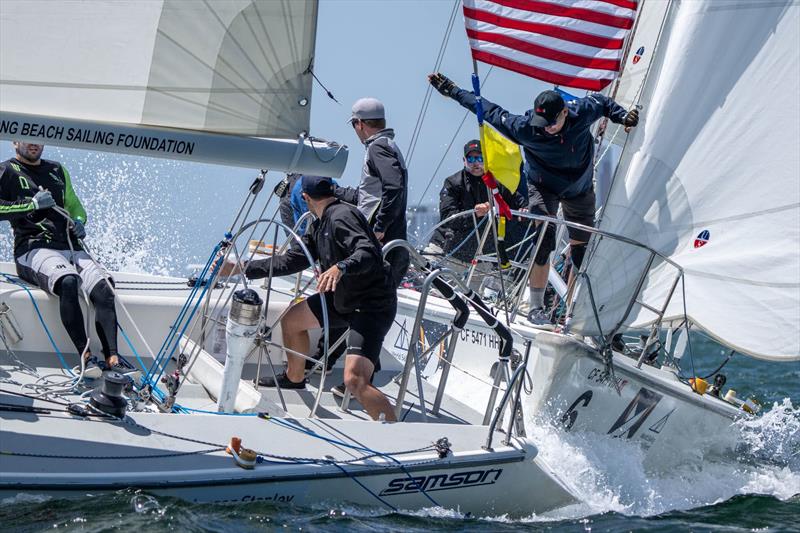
{"x": 450, "y": 145}
{"x": 310, "y": 70}
{"x": 429, "y": 91}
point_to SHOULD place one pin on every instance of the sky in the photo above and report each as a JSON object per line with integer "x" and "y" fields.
{"x": 384, "y": 49}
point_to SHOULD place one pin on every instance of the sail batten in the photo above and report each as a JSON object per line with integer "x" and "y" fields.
{"x": 710, "y": 180}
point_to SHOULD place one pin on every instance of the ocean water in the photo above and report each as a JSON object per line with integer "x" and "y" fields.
{"x": 163, "y": 217}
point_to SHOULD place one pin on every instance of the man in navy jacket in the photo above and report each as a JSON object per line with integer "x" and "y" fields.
{"x": 559, "y": 152}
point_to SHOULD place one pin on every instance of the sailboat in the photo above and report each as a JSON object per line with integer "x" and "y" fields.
{"x": 226, "y": 82}
{"x": 699, "y": 234}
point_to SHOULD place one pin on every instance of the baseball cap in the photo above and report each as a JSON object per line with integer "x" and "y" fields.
{"x": 473, "y": 146}
{"x": 368, "y": 108}
{"x": 546, "y": 108}
{"x": 317, "y": 185}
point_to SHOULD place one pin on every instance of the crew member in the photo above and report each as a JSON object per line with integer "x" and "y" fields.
{"x": 358, "y": 288}
{"x": 559, "y": 152}
{"x": 48, "y": 251}
{"x": 382, "y": 194}
{"x": 463, "y": 191}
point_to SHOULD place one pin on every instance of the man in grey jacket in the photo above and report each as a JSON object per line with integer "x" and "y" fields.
{"x": 382, "y": 194}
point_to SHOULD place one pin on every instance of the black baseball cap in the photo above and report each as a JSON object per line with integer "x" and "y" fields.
{"x": 473, "y": 146}
{"x": 546, "y": 108}
{"x": 317, "y": 186}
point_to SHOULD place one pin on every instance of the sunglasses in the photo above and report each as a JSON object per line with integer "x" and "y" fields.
{"x": 474, "y": 159}
{"x": 354, "y": 121}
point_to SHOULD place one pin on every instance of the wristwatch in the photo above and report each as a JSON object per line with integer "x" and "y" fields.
{"x": 342, "y": 266}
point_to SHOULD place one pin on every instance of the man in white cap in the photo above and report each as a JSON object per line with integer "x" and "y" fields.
{"x": 382, "y": 195}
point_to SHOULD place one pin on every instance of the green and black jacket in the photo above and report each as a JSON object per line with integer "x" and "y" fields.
{"x": 37, "y": 229}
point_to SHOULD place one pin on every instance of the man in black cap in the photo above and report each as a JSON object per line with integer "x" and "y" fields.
{"x": 559, "y": 154}
{"x": 358, "y": 289}
{"x": 462, "y": 191}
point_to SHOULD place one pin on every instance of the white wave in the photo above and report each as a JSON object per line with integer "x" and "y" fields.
{"x": 608, "y": 474}
{"x": 23, "y": 497}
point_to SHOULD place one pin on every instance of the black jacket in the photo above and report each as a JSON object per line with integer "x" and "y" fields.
{"x": 342, "y": 234}
{"x": 555, "y": 163}
{"x": 44, "y": 228}
{"x": 461, "y": 192}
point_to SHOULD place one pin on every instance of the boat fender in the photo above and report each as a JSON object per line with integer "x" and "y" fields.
{"x": 244, "y": 457}
{"x": 699, "y": 385}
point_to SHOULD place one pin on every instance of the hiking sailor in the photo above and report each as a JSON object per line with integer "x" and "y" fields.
{"x": 47, "y": 247}
{"x": 559, "y": 152}
{"x": 358, "y": 287}
{"x": 462, "y": 191}
{"x": 382, "y": 194}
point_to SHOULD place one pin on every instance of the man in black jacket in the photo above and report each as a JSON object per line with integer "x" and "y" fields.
{"x": 47, "y": 249}
{"x": 357, "y": 287}
{"x": 382, "y": 194}
{"x": 559, "y": 155}
{"x": 463, "y": 191}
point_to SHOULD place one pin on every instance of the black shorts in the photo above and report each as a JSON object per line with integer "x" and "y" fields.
{"x": 367, "y": 328}
{"x": 578, "y": 209}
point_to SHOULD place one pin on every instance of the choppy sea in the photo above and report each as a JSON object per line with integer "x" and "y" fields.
{"x": 162, "y": 217}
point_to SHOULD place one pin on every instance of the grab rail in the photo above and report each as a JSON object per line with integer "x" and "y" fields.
{"x": 544, "y": 222}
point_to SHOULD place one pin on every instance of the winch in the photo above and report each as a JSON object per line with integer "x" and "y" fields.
{"x": 108, "y": 396}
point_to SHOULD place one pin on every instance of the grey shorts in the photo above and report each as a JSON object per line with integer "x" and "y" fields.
{"x": 45, "y": 267}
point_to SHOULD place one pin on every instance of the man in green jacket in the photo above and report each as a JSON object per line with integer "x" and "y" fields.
{"x": 48, "y": 251}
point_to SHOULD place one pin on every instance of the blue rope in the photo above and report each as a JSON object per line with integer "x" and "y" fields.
{"x": 262, "y": 459}
{"x": 165, "y": 352}
{"x": 133, "y": 350}
{"x": 181, "y": 314}
{"x": 354, "y": 478}
{"x": 41, "y": 319}
{"x": 354, "y": 447}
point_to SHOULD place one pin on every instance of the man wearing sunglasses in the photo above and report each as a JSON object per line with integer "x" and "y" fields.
{"x": 559, "y": 154}
{"x": 463, "y": 191}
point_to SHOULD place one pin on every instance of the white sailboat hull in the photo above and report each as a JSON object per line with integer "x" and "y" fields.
{"x": 70, "y": 457}
{"x": 653, "y": 409}
{"x": 648, "y": 406}
{"x": 46, "y": 450}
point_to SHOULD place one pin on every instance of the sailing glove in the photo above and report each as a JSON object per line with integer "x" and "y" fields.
{"x": 631, "y": 119}
{"x": 78, "y": 229}
{"x": 43, "y": 200}
{"x": 442, "y": 83}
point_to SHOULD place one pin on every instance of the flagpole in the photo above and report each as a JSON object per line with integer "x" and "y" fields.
{"x": 499, "y": 230}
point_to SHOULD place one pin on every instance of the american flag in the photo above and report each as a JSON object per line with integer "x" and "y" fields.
{"x": 574, "y": 43}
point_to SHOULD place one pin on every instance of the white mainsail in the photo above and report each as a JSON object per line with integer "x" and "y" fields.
{"x": 711, "y": 180}
{"x": 223, "y": 81}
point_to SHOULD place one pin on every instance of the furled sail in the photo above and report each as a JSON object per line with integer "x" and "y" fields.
{"x": 709, "y": 180}
{"x": 207, "y": 81}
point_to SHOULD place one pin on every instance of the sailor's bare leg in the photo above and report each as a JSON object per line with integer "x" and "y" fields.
{"x": 357, "y": 371}
{"x": 294, "y": 326}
